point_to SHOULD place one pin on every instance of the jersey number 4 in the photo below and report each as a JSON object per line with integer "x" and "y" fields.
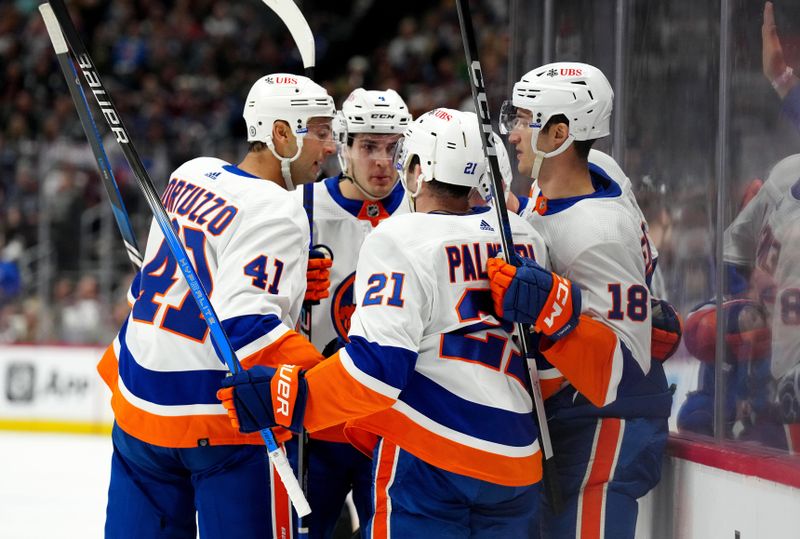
{"x": 158, "y": 277}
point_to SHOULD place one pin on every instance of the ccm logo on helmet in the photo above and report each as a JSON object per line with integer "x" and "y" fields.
{"x": 281, "y": 80}
{"x": 382, "y": 116}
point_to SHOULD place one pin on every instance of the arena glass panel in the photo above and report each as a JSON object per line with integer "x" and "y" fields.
{"x": 761, "y": 307}
{"x": 662, "y": 61}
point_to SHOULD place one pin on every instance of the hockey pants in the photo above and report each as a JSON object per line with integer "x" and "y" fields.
{"x": 414, "y": 499}
{"x": 155, "y": 491}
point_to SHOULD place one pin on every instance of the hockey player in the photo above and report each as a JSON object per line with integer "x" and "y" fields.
{"x": 610, "y": 407}
{"x": 667, "y": 326}
{"x": 428, "y": 369}
{"x": 763, "y": 240}
{"x": 176, "y": 457}
{"x": 346, "y": 209}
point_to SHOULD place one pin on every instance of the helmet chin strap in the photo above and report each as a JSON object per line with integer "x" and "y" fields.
{"x": 412, "y": 197}
{"x": 285, "y": 161}
{"x": 540, "y": 156}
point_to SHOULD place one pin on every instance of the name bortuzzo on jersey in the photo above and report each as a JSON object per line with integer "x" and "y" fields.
{"x": 162, "y": 367}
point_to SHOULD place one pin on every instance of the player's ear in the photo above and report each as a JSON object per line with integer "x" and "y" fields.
{"x": 561, "y": 132}
{"x": 282, "y": 137}
{"x": 413, "y": 175}
{"x": 281, "y": 132}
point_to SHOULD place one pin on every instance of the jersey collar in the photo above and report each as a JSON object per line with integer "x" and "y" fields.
{"x": 604, "y": 187}
{"x": 373, "y": 211}
{"x": 474, "y": 210}
{"x": 233, "y": 169}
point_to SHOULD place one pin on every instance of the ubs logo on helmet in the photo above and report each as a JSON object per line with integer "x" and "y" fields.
{"x": 343, "y": 305}
{"x": 565, "y": 72}
{"x": 280, "y": 80}
{"x": 439, "y": 113}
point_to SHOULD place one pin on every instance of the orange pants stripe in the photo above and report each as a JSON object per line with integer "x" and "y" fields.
{"x": 602, "y": 464}
{"x": 384, "y": 477}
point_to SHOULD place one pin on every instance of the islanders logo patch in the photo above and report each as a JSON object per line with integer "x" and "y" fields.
{"x": 343, "y": 305}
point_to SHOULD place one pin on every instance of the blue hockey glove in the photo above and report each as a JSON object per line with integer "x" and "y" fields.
{"x": 532, "y": 295}
{"x": 263, "y": 397}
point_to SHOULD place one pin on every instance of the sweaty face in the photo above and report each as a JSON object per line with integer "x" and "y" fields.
{"x": 520, "y": 136}
{"x": 318, "y": 144}
{"x": 371, "y": 163}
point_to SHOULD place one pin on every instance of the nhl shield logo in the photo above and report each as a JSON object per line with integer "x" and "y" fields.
{"x": 343, "y": 306}
{"x": 373, "y": 211}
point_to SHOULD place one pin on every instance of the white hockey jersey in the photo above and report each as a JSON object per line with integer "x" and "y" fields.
{"x": 247, "y": 239}
{"x": 599, "y": 241}
{"x": 428, "y": 365}
{"x": 340, "y": 227}
{"x": 765, "y": 235}
{"x": 612, "y": 169}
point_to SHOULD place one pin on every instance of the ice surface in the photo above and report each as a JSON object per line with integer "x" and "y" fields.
{"x": 53, "y": 485}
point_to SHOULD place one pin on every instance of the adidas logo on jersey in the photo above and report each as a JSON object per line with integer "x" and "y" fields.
{"x": 486, "y": 226}
{"x": 213, "y": 175}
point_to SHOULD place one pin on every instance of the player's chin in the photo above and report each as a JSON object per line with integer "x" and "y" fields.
{"x": 381, "y": 185}
{"x": 313, "y": 171}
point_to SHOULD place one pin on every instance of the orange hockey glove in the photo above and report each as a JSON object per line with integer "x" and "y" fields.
{"x": 318, "y": 277}
{"x": 530, "y": 294}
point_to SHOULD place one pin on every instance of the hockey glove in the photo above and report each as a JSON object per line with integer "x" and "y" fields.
{"x": 532, "y": 295}
{"x": 747, "y": 332}
{"x": 318, "y": 277}
{"x": 263, "y": 397}
{"x": 667, "y": 329}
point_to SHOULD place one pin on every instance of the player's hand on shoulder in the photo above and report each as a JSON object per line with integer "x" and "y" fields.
{"x": 262, "y": 397}
{"x": 318, "y": 277}
{"x": 527, "y": 293}
{"x": 667, "y": 329}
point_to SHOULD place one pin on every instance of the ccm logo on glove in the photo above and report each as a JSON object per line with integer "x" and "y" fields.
{"x": 562, "y": 301}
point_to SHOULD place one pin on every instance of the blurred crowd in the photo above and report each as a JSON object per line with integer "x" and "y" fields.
{"x": 178, "y": 71}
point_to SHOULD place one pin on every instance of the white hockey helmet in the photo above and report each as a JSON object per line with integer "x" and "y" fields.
{"x": 378, "y": 112}
{"x": 485, "y": 182}
{"x": 448, "y": 144}
{"x": 291, "y": 98}
{"x": 578, "y": 91}
{"x": 375, "y": 111}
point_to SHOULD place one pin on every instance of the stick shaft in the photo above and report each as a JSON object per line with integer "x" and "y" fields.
{"x": 103, "y": 164}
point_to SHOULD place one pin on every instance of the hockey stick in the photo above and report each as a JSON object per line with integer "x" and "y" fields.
{"x": 293, "y": 18}
{"x": 507, "y": 241}
{"x": 93, "y": 136}
{"x": 298, "y": 27}
{"x": 56, "y": 15}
